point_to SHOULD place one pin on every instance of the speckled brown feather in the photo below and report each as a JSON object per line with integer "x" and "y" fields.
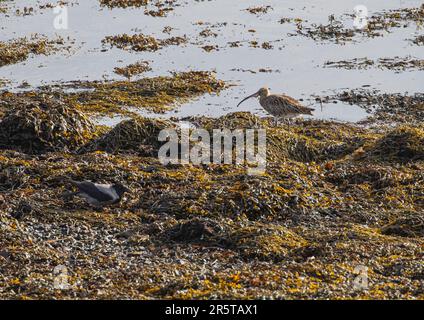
{"x": 283, "y": 106}
{"x": 279, "y": 105}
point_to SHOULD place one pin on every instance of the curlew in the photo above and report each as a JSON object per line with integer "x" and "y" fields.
{"x": 279, "y": 105}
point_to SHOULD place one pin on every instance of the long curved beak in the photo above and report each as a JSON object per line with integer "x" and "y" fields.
{"x": 251, "y": 96}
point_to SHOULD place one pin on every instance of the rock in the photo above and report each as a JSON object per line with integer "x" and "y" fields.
{"x": 23, "y": 209}
{"x": 405, "y": 227}
{"x": 44, "y": 124}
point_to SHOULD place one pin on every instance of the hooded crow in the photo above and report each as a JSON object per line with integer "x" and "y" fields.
{"x": 100, "y": 195}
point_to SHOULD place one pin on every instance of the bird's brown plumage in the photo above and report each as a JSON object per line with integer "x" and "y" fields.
{"x": 279, "y": 105}
{"x": 282, "y": 106}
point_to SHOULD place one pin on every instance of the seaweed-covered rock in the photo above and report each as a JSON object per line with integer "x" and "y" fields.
{"x": 44, "y": 125}
{"x": 402, "y": 144}
{"x": 12, "y": 177}
{"x": 200, "y": 230}
{"x": 191, "y": 231}
{"x": 254, "y": 240}
{"x": 265, "y": 242}
{"x": 305, "y": 144}
{"x": 139, "y": 135}
{"x": 410, "y": 226}
{"x": 156, "y": 94}
{"x": 377, "y": 176}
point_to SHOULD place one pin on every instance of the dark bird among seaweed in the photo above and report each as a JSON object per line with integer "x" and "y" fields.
{"x": 100, "y": 195}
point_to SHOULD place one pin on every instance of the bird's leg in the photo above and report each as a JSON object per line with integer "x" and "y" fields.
{"x": 288, "y": 124}
{"x": 275, "y": 121}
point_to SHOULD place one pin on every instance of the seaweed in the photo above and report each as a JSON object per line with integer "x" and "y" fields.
{"x": 410, "y": 226}
{"x": 213, "y": 231}
{"x": 123, "y": 3}
{"x": 377, "y": 25}
{"x": 397, "y": 64}
{"x": 141, "y": 42}
{"x": 401, "y": 144}
{"x": 259, "y": 9}
{"x": 44, "y": 125}
{"x": 136, "y": 135}
{"x": 18, "y": 50}
{"x": 133, "y": 69}
{"x": 419, "y": 40}
{"x": 386, "y": 108}
{"x": 157, "y": 94}
{"x": 335, "y": 197}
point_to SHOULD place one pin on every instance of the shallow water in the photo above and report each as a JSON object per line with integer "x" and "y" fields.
{"x": 299, "y": 60}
